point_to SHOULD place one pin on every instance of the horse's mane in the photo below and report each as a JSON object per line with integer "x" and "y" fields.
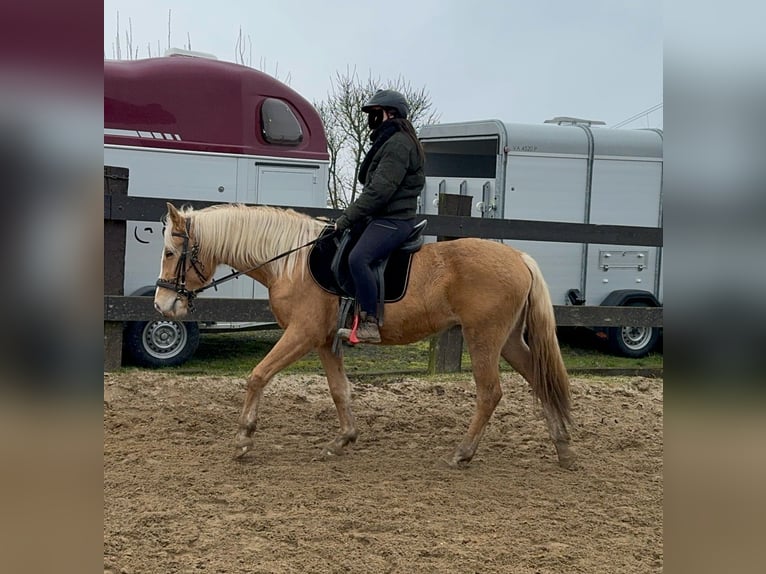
{"x": 250, "y": 235}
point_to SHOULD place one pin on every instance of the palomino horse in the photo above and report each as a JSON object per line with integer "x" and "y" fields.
{"x": 496, "y": 293}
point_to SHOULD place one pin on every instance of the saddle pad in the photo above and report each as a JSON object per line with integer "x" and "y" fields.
{"x": 321, "y": 255}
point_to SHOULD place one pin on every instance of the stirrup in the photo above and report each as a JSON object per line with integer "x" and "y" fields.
{"x": 347, "y": 334}
{"x": 341, "y": 334}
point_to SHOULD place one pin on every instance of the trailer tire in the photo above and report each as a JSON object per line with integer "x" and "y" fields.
{"x": 635, "y": 342}
{"x": 160, "y": 343}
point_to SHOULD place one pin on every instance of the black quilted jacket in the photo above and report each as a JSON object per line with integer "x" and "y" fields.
{"x": 394, "y": 182}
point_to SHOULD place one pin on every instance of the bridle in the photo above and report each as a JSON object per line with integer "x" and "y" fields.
{"x": 179, "y": 282}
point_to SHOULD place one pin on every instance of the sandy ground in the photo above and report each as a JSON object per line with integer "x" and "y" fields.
{"x": 176, "y": 501}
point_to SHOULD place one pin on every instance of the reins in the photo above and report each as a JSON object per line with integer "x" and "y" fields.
{"x": 180, "y": 280}
{"x": 235, "y": 274}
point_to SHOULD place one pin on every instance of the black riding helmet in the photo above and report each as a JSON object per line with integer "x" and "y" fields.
{"x": 388, "y": 99}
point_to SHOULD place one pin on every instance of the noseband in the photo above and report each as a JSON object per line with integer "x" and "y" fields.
{"x": 179, "y": 283}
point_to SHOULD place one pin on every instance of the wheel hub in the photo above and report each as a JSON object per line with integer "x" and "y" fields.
{"x": 164, "y": 338}
{"x": 636, "y": 337}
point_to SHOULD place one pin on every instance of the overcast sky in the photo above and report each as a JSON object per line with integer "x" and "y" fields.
{"x": 506, "y": 59}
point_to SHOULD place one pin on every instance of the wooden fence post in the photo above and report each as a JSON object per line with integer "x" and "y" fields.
{"x": 446, "y": 349}
{"x": 115, "y": 184}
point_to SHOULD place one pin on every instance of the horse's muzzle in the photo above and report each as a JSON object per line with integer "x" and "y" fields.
{"x": 170, "y": 304}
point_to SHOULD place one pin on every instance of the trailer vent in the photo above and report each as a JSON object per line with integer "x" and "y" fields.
{"x": 191, "y": 53}
{"x": 567, "y": 121}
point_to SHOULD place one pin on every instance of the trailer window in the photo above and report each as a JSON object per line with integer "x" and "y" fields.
{"x": 279, "y": 124}
{"x": 461, "y": 158}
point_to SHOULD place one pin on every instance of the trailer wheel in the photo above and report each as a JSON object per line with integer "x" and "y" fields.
{"x": 160, "y": 343}
{"x": 635, "y": 342}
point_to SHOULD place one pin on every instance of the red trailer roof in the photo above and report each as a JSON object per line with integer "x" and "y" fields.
{"x": 200, "y": 104}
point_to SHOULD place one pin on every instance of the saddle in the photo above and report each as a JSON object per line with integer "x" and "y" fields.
{"x": 328, "y": 264}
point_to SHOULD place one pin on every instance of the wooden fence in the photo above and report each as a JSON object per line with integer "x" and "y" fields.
{"x": 118, "y": 308}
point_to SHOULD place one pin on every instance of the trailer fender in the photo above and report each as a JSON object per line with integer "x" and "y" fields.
{"x": 623, "y": 297}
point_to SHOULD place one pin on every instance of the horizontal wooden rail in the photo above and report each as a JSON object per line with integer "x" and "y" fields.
{"x": 118, "y": 308}
{"x": 123, "y": 208}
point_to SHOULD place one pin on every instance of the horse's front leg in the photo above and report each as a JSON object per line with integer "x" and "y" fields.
{"x": 340, "y": 389}
{"x": 485, "y": 355}
{"x": 291, "y": 346}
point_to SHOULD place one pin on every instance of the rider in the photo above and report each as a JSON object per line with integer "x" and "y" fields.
{"x": 392, "y": 176}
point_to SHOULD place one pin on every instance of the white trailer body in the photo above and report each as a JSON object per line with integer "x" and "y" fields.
{"x": 564, "y": 173}
{"x": 181, "y": 175}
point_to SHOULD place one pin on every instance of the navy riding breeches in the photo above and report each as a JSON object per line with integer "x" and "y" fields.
{"x": 377, "y": 241}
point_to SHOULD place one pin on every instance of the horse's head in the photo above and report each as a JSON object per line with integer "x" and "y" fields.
{"x": 181, "y": 270}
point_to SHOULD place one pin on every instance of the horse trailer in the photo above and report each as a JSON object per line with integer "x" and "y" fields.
{"x": 565, "y": 170}
{"x": 191, "y": 127}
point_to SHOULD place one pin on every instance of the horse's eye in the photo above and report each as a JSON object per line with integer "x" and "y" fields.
{"x": 168, "y": 254}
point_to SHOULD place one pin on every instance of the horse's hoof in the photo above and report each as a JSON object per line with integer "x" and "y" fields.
{"x": 456, "y": 463}
{"x": 242, "y": 447}
{"x": 567, "y": 459}
{"x": 568, "y": 462}
{"x": 332, "y": 449}
{"x": 240, "y": 452}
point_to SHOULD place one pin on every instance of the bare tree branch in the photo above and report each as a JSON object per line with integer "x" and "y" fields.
{"x": 239, "y": 49}
{"x": 129, "y": 39}
{"x": 119, "y": 51}
{"x": 336, "y": 139}
{"x": 347, "y": 131}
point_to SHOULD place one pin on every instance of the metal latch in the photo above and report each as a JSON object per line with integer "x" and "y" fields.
{"x": 486, "y": 207}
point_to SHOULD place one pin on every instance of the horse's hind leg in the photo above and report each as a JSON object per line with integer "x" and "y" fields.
{"x": 340, "y": 389}
{"x": 519, "y": 356}
{"x": 290, "y": 347}
{"x": 484, "y": 347}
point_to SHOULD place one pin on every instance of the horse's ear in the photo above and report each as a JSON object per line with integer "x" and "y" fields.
{"x": 175, "y": 218}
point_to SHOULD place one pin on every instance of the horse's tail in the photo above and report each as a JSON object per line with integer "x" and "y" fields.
{"x": 551, "y": 382}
